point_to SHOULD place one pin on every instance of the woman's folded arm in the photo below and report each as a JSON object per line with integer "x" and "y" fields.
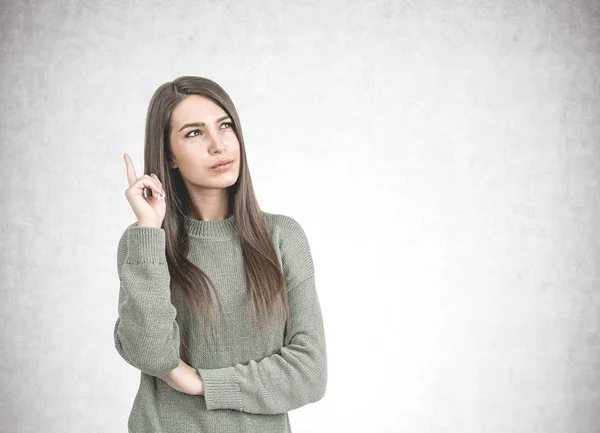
{"x": 287, "y": 380}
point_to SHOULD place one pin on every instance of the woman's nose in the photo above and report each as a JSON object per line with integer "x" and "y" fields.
{"x": 215, "y": 140}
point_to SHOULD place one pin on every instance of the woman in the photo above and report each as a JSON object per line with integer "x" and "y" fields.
{"x": 217, "y": 305}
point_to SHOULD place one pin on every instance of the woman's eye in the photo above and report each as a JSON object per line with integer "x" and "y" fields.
{"x": 199, "y": 131}
{"x": 195, "y": 130}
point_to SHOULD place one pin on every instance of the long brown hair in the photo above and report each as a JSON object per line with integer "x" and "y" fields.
{"x": 265, "y": 282}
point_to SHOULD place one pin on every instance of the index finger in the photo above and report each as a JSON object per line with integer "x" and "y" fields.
{"x": 131, "y": 176}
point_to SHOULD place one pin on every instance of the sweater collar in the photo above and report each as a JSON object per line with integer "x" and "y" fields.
{"x": 219, "y": 229}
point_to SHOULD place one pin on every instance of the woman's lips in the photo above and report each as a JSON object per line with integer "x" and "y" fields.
{"x": 223, "y": 167}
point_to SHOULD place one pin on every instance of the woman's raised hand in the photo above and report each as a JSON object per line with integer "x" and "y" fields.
{"x": 150, "y": 211}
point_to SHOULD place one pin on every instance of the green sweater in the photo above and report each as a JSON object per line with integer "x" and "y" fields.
{"x": 252, "y": 378}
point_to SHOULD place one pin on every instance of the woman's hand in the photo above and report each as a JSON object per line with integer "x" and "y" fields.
{"x": 150, "y": 211}
{"x": 185, "y": 379}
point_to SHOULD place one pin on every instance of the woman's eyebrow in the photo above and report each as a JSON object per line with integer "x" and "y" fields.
{"x": 187, "y": 125}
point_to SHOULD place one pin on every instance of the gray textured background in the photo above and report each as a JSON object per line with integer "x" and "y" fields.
{"x": 442, "y": 156}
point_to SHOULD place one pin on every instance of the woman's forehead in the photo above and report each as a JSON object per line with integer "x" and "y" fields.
{"x": 196, "y": 109}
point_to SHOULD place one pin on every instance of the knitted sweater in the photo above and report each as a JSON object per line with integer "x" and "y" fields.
{"x": 252, "y": 378}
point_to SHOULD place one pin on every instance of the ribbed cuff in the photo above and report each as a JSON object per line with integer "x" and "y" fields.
{"x": 221, "y": 388}
{"x": 146, "y": 245}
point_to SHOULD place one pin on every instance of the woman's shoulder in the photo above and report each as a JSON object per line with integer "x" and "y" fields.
{"x": 291, "y": 239}
{"x": 283, "y": 225}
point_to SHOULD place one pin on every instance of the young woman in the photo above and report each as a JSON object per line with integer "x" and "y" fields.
{"x": 217, "y": 304}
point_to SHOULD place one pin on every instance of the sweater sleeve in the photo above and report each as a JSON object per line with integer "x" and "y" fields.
{"x": 295, "y": 376}
{"x": 146, "y": 334}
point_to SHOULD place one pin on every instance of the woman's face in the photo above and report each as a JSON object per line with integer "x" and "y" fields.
{"x": 201, "y": 135}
